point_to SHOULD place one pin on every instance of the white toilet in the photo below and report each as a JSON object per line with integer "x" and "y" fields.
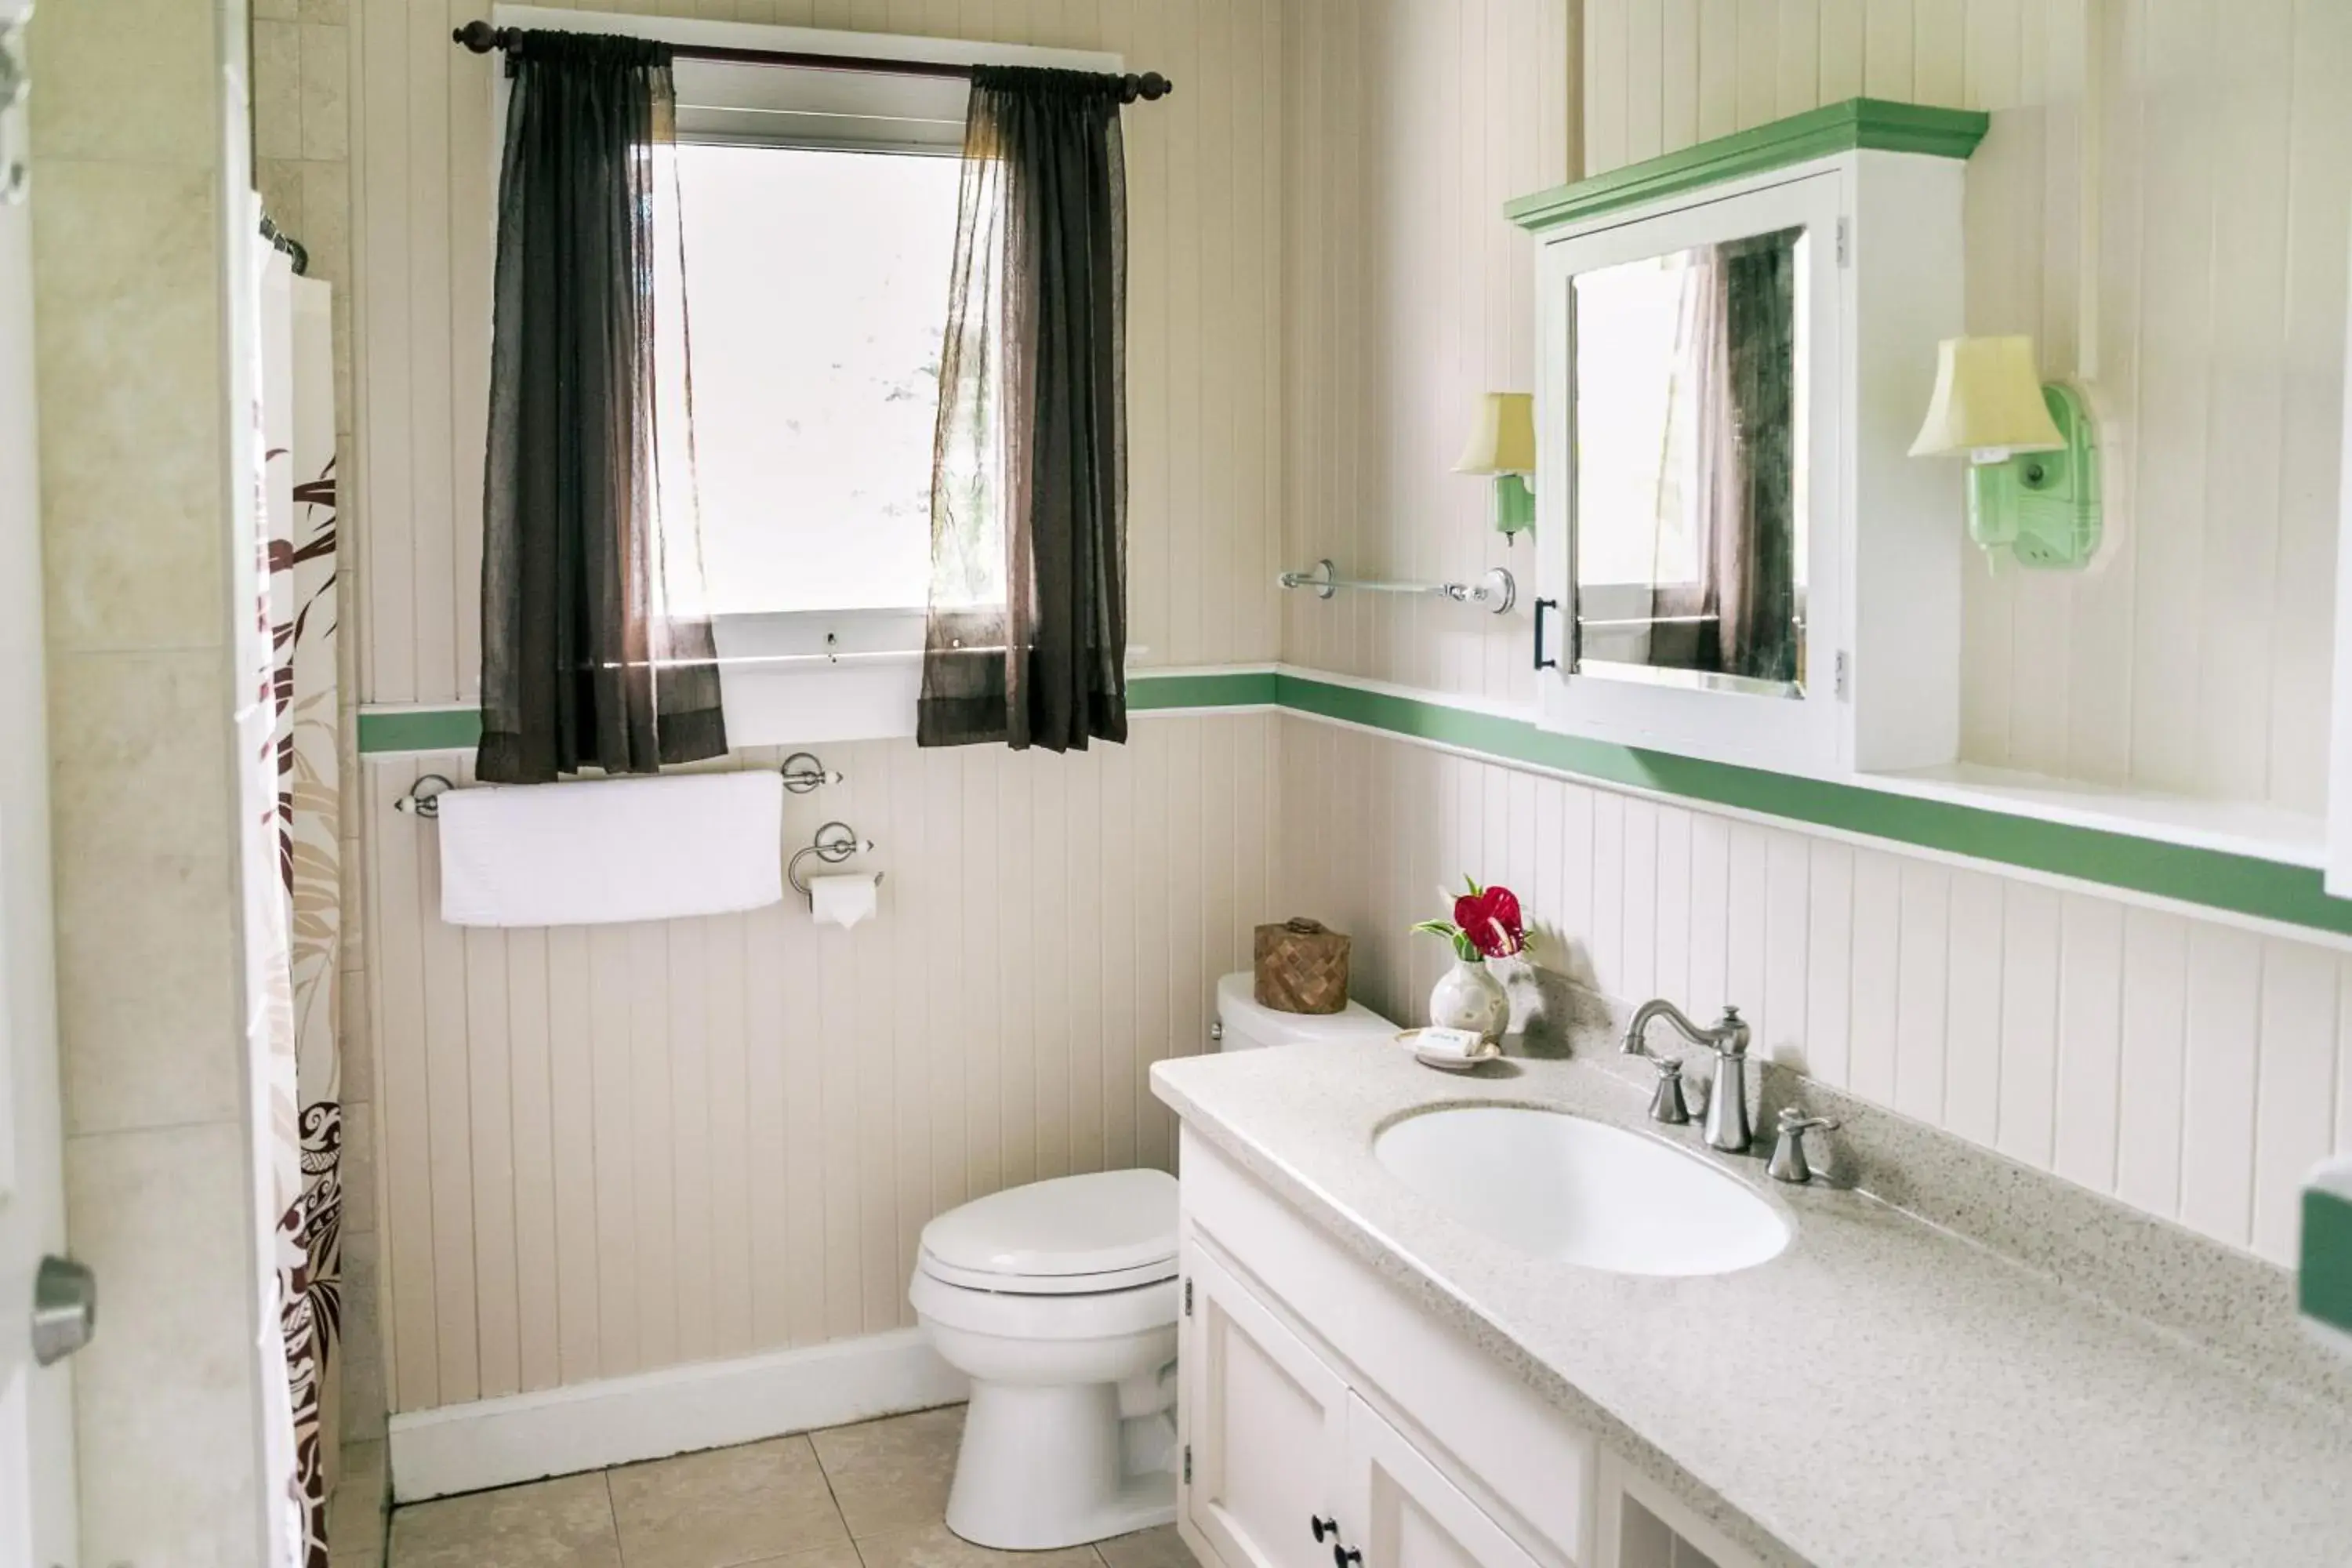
{"x": 1059, "y": 1300}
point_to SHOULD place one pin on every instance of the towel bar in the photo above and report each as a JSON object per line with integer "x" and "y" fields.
{"x": 802, "y": 773}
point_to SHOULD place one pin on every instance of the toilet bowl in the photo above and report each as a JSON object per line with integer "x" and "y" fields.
{"x": 1059, "y": 1300}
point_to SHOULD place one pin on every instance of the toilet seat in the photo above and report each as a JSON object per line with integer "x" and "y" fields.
{"x": 1073, "y": 1236}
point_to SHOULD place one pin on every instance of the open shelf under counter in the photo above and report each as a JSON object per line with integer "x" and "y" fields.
{"x": 2250, "y": 828}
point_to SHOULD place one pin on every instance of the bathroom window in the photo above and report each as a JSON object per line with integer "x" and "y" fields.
{"x": 818, "y": 224}
{"x": 816, "y": 298}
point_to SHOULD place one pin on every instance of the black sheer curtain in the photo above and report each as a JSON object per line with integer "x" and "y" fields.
{"x": 1026, "y": 639}
{"x": 595, "y": 651}
{"x": 1739, "y": 616}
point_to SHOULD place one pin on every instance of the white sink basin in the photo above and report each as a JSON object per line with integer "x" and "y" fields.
{"x": 1583, "y": 1191}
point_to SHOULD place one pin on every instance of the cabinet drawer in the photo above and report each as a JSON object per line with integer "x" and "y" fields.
{"x": 1517, "y": 1456}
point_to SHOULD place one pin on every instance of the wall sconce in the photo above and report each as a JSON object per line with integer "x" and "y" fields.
{"x": 1503, "y": 443}
{"x": 2033, "y": 469}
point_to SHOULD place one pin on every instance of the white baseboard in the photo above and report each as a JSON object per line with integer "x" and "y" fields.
{"x": 650, "y": 1416}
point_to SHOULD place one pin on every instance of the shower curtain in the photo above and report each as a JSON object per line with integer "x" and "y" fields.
{"x": 298, "y": 395}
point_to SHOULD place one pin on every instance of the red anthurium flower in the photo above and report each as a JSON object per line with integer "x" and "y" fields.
{"x": 1489, "y": 917}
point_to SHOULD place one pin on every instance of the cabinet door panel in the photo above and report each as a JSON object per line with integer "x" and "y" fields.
{"x": 1265, "y": 1426}
{"x": 1402, "y": 1513}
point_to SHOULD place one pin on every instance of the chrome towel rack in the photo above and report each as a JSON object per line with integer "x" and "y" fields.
{"x": 1497, "y": 591}
{"x": 803, "y": 772}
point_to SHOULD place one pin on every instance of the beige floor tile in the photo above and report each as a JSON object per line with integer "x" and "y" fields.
{"x": 1159, "y": 1548}
{"x": 892, "y": 1474}
{"x": 563, "y": 1523}
{"x": 841, "y": 1556}
{"x": 932, "y": 1546}
{"x": 728, "y": 1506}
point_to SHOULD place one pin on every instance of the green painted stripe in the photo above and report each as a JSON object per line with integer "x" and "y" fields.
{"x": 1225, "y": 688}
{"x": 2211, "y": 877}
{"x": 2325, "y": 1283}
{"x": 460, "y": 729}
{"x": 1857, "y": 123}
{"x": 421, "y": 729}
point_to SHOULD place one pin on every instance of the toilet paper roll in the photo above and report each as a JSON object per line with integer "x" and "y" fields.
{"x": 846, "y": 900}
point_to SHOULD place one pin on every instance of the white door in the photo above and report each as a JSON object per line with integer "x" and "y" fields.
{"x": 1402, "y": 1513}
{"x": 1264, "y": 1430}
{"x": 36, "y": 1492}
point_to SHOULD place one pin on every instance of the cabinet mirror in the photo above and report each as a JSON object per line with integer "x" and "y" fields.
{"x": 1689, "y": 491}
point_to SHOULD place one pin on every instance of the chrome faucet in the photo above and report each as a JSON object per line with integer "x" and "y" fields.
{"x": 1726, "y": 1125}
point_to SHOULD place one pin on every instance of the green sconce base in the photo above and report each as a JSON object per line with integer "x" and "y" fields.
{"x": 2043, "y": 507}
{"x": 1515, "y": 505}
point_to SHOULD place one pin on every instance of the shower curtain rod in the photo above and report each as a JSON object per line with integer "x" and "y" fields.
{"x": 481, "y": 37}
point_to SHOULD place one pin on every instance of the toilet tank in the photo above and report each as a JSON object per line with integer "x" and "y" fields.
{"x": 1242, "y": 1024}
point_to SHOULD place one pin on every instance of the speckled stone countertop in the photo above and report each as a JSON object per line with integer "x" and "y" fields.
{"x": 1908, "y": 1398}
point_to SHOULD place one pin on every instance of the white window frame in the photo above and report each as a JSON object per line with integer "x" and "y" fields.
{"x": 803, "y": 677}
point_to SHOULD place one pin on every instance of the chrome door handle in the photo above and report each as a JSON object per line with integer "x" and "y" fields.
{"x": 65, "y": 1308}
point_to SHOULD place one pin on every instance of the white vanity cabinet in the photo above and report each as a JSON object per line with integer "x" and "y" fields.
{"x": 1737, "y": 558}
{"x": 1290, "y": 1468}
{"x": 1328, "y": 1422}
{"x": 1266, "y": 1452}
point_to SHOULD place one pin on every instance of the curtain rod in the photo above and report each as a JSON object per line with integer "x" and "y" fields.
{"x": 482, "y": 38}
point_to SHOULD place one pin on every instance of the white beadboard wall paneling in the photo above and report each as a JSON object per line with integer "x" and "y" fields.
{"x": 1206, "y": 210}
{"x": 2190, "y": 1069}
{"x": 2194, "y": 658}
{"x": 1409, "y": 123}
{"x": 610, "y": 1150}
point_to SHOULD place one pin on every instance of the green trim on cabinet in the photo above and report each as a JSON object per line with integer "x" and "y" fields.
{"x": 2213, "y": 878}
{"x": 1870, "y": 123}
{"x": 2324, "y": 1284}
{"x": 421, "y": 729}
{"x": 2209, "y": 878}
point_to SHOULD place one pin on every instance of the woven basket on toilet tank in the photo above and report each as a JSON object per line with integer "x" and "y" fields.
{"x": 1301, "y": 967}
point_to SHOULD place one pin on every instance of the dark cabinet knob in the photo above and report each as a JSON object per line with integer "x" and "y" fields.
{"x": 1347, "y": 1557}
{"x": 1322, "y": 1527}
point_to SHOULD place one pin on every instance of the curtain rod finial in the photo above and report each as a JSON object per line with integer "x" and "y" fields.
{"x": 1151, "y": 87}
{"x": 480, "y": 36}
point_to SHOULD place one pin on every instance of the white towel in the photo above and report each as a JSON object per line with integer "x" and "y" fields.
{"x": 618, "y": 850}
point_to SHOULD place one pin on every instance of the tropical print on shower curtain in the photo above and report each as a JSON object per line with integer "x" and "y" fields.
{"x": 298, "y": 401}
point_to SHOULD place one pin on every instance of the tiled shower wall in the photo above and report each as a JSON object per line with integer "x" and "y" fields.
{"x": 2192, "y": 1068}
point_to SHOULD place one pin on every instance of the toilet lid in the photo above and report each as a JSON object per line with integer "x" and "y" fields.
{"x": 1108, "y": 1231}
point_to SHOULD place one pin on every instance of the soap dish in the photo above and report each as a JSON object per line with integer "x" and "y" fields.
{"x": 1447, "y": 1061}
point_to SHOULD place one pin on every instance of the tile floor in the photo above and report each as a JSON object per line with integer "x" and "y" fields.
{"x": 870, "y": 1496}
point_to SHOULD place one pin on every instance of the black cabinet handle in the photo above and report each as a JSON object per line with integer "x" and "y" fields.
{"x": 1542, "y": 605}
{"x": 1322, "y": 1527}
{"x": 1346, "y": 1557}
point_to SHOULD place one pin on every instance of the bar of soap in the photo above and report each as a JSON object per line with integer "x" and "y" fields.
{"x": 2323, "y": 1283}
{"x": 1450, "y": 1042}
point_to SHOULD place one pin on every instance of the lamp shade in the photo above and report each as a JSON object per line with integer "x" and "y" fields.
{"x": 1988, "y": 402}
{"x": 1503, "y": 441}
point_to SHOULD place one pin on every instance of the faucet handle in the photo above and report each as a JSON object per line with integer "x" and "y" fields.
{"x": 1788, "y": 1162}
{"x": 1666, "y": 1102}
{"x": 1731, "y": 1032}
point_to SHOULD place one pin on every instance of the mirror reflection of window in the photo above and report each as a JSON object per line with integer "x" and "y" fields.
{"x": 1689, "y": 488}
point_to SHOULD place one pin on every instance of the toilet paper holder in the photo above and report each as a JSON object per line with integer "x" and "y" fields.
{"x": 834, "y": 842}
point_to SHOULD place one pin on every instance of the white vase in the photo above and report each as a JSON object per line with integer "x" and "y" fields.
{"x": 1468, "y": 996}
